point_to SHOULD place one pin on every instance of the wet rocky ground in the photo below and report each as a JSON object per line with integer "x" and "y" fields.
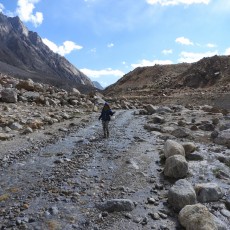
{"x": 64, "y": 175}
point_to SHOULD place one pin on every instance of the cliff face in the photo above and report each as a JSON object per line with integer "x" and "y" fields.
{"x": 24, "y": 55}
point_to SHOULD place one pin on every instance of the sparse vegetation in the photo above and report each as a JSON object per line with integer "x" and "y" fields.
{"x": 216, "y": 172}
{"x": 4, "y": 197}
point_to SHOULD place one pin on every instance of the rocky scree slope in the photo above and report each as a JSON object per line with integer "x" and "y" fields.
{"x": 24, "y": 55}
{"x": 204, "y": 82}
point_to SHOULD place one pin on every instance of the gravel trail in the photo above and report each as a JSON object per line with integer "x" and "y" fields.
{"x": 57, "y": 185}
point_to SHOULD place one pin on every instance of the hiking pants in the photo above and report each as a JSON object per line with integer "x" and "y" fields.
{"x": 105, "y": 125}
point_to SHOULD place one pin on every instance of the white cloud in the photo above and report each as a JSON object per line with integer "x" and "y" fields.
{"x": 104, "y": 72}
{"x": 110, "y": 45}
{"x": 227, "y": 51}
{"x": 1, "y": 7}
{"x": 177, "y": 2}
{"x": 210, "y": 45}
{"x": 184, "y": 41}
{"x": 145, "y": 62}
{"x": 189, "y": 57}
{"x": 25, "y": 10}
{"x": 165, "y": 52}
{"x": 66, "y": 48}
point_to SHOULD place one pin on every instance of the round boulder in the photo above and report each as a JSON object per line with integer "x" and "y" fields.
{"x": 197, "y": 217}
{"x": 189, "y": 147}
{"x": 208, "y": 192}
{"x": 176, "y": 166}
{"x": 181, "y": 194}
{"x": 172, "y": 148}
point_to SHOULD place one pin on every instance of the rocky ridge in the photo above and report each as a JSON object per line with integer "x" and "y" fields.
{"x": 204, "y": 82}
{"x": 24, "y": 55}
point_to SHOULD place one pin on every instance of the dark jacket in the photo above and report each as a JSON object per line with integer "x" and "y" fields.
{"x": 105, "y": 114}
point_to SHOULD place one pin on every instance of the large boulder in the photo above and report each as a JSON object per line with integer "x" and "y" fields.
{"x": 31, "y": 96}
{"x": 208, "y": 192}
{"x": 181, "y": 194}
{"x": 189, "y": 147}
{"x": 9, "y": 95}
{"x": 197, "y": 217}
{"x": 223, "y": 138}
{"x": 26, "y": 84}
{"x": 150, "y": 108}
{"x": 176, "y": 166}
{"x": 180, "y": 133}
{"x": 172, "y": 148}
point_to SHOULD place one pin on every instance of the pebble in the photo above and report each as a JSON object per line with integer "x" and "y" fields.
{"x": 162, "y": 215}
{"x": 155, "y": 216}
{"x": 127, "y": 215}
{"x": 54, "y": 210}
{"x": 151, "y": 200}
{"x": 225, "y": 213}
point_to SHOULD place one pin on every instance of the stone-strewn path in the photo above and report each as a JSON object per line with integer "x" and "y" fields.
{"x": 67, "y": 176}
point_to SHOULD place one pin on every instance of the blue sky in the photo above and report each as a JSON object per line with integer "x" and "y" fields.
{"x": 106, "y": 39}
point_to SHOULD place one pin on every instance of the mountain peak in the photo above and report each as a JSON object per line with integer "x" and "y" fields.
{"x": 30, "y": 57}
{"x": 18, "y": 25}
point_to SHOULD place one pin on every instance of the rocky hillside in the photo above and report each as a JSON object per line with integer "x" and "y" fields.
{"x": 24, "y": 55}
{"x": 208, "y": 72}
{"x": 204, "y": 82}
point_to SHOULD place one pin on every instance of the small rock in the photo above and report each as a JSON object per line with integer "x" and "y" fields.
{"x": 53, "y": 210}
{"x": 155, "y": 216}
{"x": 162, "y": 215}
{"x": 128, "y": 216}
{"x": 225, "y": 213}
{"x": 59, "y": 161}
{"x": 207, "y": 127}
{"x": 151, "y": 200}
{"x": 117, "y": 205}
{"x": 180, "y": 133}
{"x": 5, "y": 136}
{"x": 189, "y": 147}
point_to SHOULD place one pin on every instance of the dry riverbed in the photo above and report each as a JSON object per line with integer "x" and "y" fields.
{"x": 59, "y": 177}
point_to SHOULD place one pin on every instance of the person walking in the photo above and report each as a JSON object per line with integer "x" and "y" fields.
{"x": 106, "y": 113}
